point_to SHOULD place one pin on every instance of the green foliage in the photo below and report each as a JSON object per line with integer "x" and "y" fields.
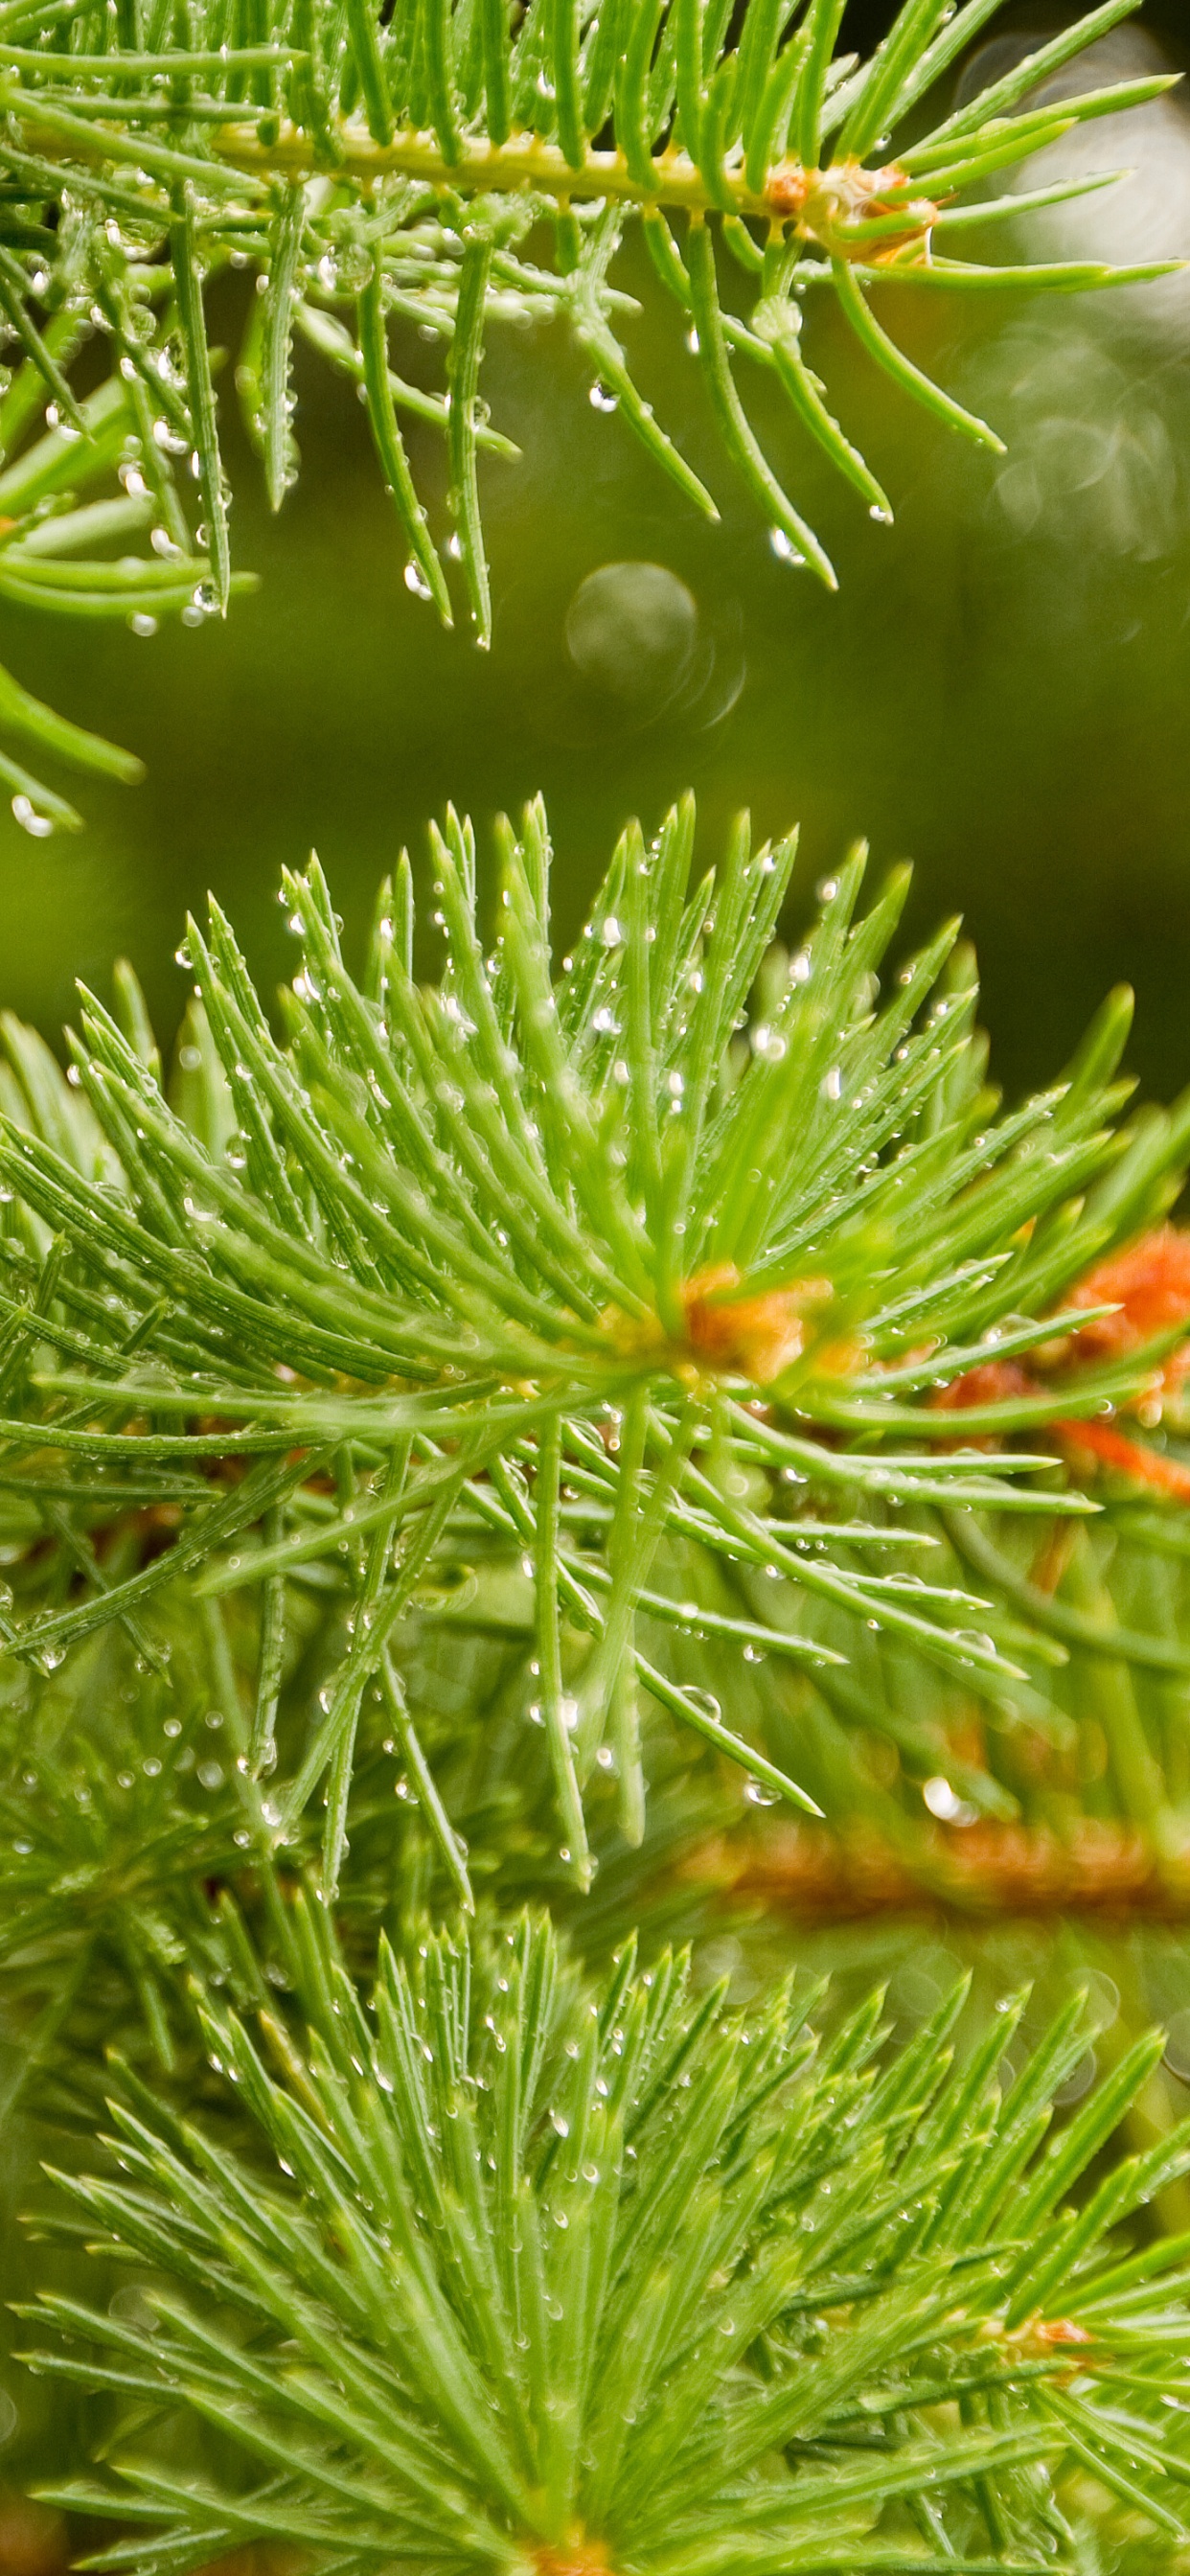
{"x": 558, "y": 2280}
{"x": 420, "y": 163}
{"x": 647, "y": 1269}
{"x": 126, "y": 1814}
{"x": 49, "y": 535}
{"x": 447, "y": 1391}
{"x": 103, "y": 1877}
{"x": 1089, "y": 1749}
{"x": 413, "y": 166}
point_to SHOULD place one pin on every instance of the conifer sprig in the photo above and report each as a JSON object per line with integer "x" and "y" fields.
{"x": 379, "y": 164}
{"x": 55, "y": 545}
{"x": 656, "y": 1262}
{"x": 550, "y": 2279}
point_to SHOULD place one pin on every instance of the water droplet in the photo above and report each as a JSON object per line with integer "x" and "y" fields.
{"x": 39, "y": 826}
{"x": 632, "y": 631}
{"x": 602, "y": 400}
{"x": 141, "y": 623}
{"x": 415, "y": 581}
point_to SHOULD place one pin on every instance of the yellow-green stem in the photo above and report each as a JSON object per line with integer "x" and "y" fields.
{"x": 524, "y": 163}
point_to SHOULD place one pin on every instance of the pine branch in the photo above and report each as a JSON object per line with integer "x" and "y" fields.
{"x": 119, "y": 1815}
{"x": 49, "y": 536}
{"x": 556, "y": 2280}
{"x": 574, "y": 1272}
{"x": 390, "y": 165}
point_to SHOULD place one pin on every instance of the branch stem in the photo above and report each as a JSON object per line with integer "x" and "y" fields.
{"x": 524, "y": 163}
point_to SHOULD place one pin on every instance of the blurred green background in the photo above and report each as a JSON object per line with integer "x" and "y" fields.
{"x": 999, "y": 690}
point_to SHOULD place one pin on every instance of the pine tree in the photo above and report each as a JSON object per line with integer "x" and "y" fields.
{"x": 503, "y": 1475}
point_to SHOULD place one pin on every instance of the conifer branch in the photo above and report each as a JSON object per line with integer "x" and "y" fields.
{"x": 682, "y": 1257}
{"x": 555, "y": 2279}
{"x": 54, "y": 548}
{"x": 378, "y": 165}
{"x": 369, "y": 170}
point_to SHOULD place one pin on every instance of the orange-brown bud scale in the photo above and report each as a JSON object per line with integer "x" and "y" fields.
{"x": 835, "y": 206}
{"x": 577, "y": 2558}
{"x": 1039, "y": 2337}
{"x": 1105, "y": 1447}
{"x": 1149, "y": 1288}
{"x": 729, "y": 1336}
{"x": 756, "y": 1337}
